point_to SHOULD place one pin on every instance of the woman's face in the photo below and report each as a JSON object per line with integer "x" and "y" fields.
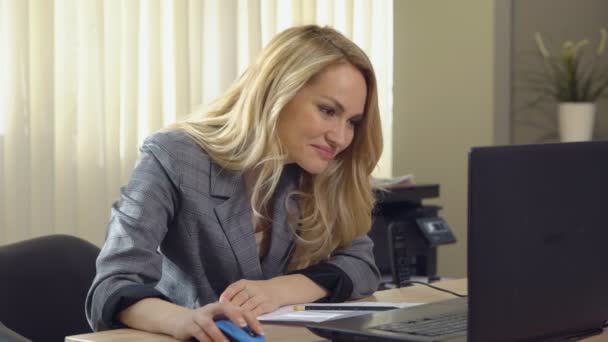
{"x": 319, "y": 122}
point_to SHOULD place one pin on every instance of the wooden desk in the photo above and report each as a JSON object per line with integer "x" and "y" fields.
{"x": 277, "y": 332}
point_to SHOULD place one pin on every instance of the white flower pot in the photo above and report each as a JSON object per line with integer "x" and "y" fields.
{"x": 576, "y": 121}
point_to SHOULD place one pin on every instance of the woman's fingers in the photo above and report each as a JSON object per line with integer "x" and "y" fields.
{"x": 198, "y": 332}
{"x": 236, "y": 314}
{"x": 232, "y": 290}
{"x": 208, "y": 328}
{"x": 238, "y": 299}
{"x": 251, "y": 303}
{"x": 242, "y": 318}
{"x": 257, "y": 311}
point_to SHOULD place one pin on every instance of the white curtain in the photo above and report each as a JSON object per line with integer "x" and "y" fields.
{"x": 82, "y": 82}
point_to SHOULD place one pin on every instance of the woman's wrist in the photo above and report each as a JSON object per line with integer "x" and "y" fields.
{"x": 155, "y": 315}
{"x": 173, "y": 323}
{"x": 295, "y": 289}
{"x": 278, "y": 289}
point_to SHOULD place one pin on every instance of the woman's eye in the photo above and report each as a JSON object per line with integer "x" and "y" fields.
{"x": 327, "y": 110}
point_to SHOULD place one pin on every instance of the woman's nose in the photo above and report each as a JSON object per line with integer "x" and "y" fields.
{"x": 338, "y": 135}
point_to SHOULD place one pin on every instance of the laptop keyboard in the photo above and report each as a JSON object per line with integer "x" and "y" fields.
{"x": 432, "y": 326}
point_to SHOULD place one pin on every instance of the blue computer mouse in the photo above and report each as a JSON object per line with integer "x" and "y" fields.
{"x": 238, "y": 334}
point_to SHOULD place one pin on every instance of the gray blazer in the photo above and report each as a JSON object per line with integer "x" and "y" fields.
{"x": 183, "y": 225}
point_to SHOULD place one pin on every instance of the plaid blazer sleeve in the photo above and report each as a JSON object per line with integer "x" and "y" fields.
{"x": 138, "y": 224}
{"x": 357, "y": 261}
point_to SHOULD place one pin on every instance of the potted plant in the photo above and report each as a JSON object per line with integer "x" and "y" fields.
{"x": 576, "y": 81}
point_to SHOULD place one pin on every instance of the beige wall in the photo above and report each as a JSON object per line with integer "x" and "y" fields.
{"x": 443, "y": 101}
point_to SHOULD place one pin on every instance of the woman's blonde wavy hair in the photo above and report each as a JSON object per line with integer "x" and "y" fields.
{"x": 239, "y": 132}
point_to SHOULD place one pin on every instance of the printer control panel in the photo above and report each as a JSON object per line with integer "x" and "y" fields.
{"x": 436, "y": 230}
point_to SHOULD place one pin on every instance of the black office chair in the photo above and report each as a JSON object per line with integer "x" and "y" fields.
{"x": 44, "y": 284}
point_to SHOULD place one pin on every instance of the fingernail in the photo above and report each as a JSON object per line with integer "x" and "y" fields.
{"x": 242, "y": 322}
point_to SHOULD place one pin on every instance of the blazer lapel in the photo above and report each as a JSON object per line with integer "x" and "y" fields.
{"x": 234, "y": 216}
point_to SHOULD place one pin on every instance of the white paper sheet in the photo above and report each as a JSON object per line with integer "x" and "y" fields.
{"x": 288, "y": 314}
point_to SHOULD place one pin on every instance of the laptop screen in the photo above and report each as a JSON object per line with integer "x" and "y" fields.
{"x": 537, "y": 240}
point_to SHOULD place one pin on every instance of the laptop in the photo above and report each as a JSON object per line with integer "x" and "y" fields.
{"x": 537, "y": 253}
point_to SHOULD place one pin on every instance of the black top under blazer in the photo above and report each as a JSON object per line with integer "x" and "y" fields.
{"x": 182, "y": 230}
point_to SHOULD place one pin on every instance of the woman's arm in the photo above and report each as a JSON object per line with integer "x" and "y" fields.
{"x": 262, "y": 296}
{"x": 158, "y": 316}
{"x": 129, "y": 266}
{"x": 350, "y": 273}
{"x": 357, "y": 261}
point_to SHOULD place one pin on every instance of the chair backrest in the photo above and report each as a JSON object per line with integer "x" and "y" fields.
{"x": 44, "y": 285}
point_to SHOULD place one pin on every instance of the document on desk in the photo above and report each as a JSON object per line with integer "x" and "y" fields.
{"x": 288, "y": 313}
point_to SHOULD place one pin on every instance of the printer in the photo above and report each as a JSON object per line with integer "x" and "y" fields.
{"x": 406, "y": 233}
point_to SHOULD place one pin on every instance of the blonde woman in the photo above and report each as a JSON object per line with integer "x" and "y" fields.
{"x": 263, "y": 200}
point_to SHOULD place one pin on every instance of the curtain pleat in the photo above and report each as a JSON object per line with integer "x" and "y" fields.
{"x": 210, "y": 57}
{"x": 113, "y": 29}
{"x": 41, "y": 99}
{"x": 248, "y": 32}
{"x": 129, "y": 79}
{"x": 195, "y": 52}
{"x": 17, "y": 157}
{"x": 83, "y": 82}
{"x": 381, "y": 55}
{"x": 4, "y": 47}
{"x": 64, "y": 125}
{"x": 268, "y": 20}
{"x": 180, "y": 64}
{"x": 89, "y": 116}
{"x": 150, "y": 101}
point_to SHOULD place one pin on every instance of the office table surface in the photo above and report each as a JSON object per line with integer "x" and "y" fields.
{"x": 278, "y": 332}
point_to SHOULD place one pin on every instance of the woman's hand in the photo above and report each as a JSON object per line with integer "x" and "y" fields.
{"x": 255, "y": 296}
{"x": 200, "y": 324}
{"x": 263, "y": 296}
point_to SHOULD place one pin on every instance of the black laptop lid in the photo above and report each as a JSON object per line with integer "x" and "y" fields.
{"x": 538, "y": 240}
